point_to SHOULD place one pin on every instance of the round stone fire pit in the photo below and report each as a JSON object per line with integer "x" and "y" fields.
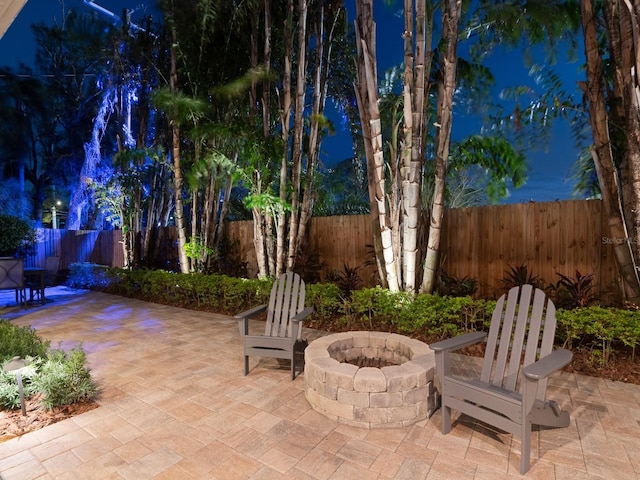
{"x": 397, "y": 393}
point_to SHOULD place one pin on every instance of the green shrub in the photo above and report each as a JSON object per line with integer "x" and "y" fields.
{"x": 17, "y": 236}
{"x": 9, "y": 392}
{"x": 64, "y": 379}
{"x": 441, "y": 317}
{"x": 91, "y": 276}
{"x": 598, "y": 330}
{"x": 326, "y": 300}
{"x": 218, "y": 293}
{"x": 377, "y": 307}
{"x": 21, "y": 342}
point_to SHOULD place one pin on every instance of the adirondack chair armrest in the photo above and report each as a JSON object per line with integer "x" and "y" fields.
{"x": 296, "y": 323}
{"x": 252, "y": 312}
{"x": 461, "y": 341}
{"x": 548, "y": 364}
{"x": 302, "y": 315}
{"x": 243, "y": 318}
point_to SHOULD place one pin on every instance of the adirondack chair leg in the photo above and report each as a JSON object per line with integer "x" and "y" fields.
{"x": 446, "y": 418}
{"x": 525, "y": 447}
{"x": 293, "y": 365}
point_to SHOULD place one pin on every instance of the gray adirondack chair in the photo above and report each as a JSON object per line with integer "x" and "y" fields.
{"x": 510, "y": 393}
{"x": 285, "y": 313}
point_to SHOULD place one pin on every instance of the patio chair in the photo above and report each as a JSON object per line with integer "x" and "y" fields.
{"x": 12, "y": 277}
{"x": 51, "y": 267}
{"x": 283, "y": 327}
{"x": 510, "y": 393}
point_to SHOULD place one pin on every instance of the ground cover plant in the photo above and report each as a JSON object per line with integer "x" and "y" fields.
{"x": 56, "y": 383}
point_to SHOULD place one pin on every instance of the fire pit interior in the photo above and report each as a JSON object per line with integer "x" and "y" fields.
{"x": 370, "y": 379}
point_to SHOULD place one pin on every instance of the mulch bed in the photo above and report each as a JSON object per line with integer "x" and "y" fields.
{"x": 13, "y": 424}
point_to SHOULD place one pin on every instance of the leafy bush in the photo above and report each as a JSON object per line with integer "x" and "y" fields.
{"x": 21, "y": 342}
{"x": 64, "y": 378}
{"x": 308, "y": 265}
{"x": 90, "y": 276}
{"x": 325, "y": 298}
{"x": 596, "y": 330}
{"x": 377, "y": 307}
{"x": 9, "y": 392}
{"x": 441, "y": 317}
{"x": 17, "y": 236}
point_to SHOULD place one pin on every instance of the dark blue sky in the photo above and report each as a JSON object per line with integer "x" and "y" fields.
{"x": 549, "y": 165}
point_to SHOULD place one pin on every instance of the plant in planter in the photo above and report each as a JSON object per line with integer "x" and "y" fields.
{"x": 17, "y": 236}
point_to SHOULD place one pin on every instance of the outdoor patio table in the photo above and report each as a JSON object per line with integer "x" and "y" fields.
{"x": 35, "y": 277}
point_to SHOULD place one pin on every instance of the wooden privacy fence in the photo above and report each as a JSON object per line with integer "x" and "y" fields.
{"x": 479, "y": 243}
{"x": 73, "y": 246}
{"x": 550, "y": 238}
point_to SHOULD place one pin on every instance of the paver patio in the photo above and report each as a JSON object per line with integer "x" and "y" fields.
{"x": 175, "y": 405}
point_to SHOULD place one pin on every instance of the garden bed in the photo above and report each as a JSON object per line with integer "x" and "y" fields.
{"x": 14, "y": 424}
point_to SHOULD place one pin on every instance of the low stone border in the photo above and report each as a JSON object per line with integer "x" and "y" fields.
{"x": 388, "y": 397}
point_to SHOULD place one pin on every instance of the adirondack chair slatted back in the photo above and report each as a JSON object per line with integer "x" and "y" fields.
{"x": 285, "y": 301}
{"x": 520, "y": 319}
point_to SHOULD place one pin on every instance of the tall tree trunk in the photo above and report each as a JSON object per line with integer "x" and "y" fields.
{"x": 266, "y": 87}
{"x": 285, "y": 118}
{"x": 367, "y": 96}
{"x": 268, "y": 249}
{"x": 365, "y": 34}
{"x": 446, "y": 88}
{"x": 298, "y": 133}
{"x": 259, "y": 243}
{"x": 602, "y": 154}
{"x": 262, "y": 223}
{"x": 80, "y": 196}
{"x": 177, "y": 168}
{"x": 628, "y": 66}
{"x": 154, "y": 210}
{"x": 413, "y": 139}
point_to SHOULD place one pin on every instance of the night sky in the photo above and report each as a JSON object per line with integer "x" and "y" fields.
{"x": 550, "y": 165}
